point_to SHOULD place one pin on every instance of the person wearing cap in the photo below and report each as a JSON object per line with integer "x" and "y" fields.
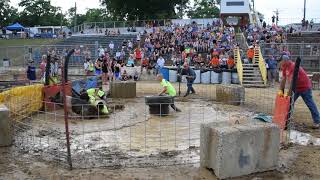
{"x": 272, "y": 67}
{"x": 191, "y": 76}
{"x": 303, "y": 88}
{"x": 250, "y": 53}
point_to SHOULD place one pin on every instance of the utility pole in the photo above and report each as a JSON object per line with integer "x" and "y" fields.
{"x": 75, "y": 15}
{"x": 61, "y": 19}
{"x": 304, "y": 10}
{"x": 253, "y": 5}
{"x": 277, "y": 16}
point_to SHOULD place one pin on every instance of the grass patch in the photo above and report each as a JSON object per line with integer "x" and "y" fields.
{"x": 23, "y": 42}
{"x": 15, "y": 49}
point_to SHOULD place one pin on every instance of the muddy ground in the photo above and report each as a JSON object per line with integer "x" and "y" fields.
{"x": 161, "y": 144}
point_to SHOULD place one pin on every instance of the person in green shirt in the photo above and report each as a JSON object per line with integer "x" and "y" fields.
{"x": 96, "y": 92}
{"x": 168, "y": 90}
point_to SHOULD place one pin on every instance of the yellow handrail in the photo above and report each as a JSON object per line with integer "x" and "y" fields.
{"x": 263, "y": 67}
{"x": 239, "y": 64}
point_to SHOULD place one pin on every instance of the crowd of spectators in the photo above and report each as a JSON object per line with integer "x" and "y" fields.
{"x": 209, "y": 46}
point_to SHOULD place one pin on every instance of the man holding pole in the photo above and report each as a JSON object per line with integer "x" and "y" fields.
{"x": 303, "y": 87}
{"x": 191, "y": 76}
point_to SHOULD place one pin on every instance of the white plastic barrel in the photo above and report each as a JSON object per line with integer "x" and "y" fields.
{"x": 215, "y": 77}
{"x": 173, "y": 76}
{"x": 226, "y": 77}
{"x": 6, "y": 62}
{"x": 198, "y": 78}
{"x": 235, "y": 78}
{"x": 205, "y": 77}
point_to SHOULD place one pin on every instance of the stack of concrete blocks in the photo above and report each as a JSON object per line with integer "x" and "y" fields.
{"x": 237, "y": 150}
{"x": 5, "y": 127}
{"x": 123, "y": 89}
{"x": 230, "y": 94}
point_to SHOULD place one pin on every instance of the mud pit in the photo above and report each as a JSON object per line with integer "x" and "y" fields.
{"x": 132, "y": 138}
{"x": 129, "y": 138}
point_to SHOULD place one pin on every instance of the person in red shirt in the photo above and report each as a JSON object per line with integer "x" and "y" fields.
{"x": 138, "y": 54}
{"x": 145, "y": 64}
{"x": 303, "y": 89}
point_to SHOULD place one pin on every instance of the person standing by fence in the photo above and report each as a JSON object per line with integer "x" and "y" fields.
{"x": 31, "y": 71}
{"x": 191, "y": 76}
{"x": 272, "y": 67}
{"x": 303, "y": 89}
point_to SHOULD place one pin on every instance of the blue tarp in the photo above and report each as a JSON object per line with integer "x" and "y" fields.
{"x": 85, "y": 84}
{"x": 15, "y": 27}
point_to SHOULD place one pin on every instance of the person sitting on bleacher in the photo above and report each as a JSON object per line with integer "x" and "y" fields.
{"x": 130, "y": 62}
{"x": 215, "y": 62}
{"x": 230, "y": 62}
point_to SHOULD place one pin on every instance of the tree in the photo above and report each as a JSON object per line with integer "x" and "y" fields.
{"x": 142, "y": 9}
{"x": 8, "y": 14}
{"x": 96, "y": 15}
{"x": 40, "y": 12}
{"x": 204, "y": 9}
{"x": 92, "y": 15}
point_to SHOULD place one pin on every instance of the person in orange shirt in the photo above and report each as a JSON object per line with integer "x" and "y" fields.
{"x": 231, "y": 62}
{"x": 250, "y": 53}
{"x": 215, "y": 62}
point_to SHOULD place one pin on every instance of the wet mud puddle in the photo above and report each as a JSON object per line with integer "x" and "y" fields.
{"x": 128, "y": 137}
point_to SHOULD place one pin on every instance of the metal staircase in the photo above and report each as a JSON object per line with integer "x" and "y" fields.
{"x": 255, "y": 74}
{"x": 252, "y": 76}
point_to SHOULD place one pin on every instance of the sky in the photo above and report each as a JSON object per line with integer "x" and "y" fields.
{"x": 289, "y": 10}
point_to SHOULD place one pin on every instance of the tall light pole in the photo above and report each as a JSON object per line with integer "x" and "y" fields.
{"x": 304, "y": 10}
{"x": 253, "y": 5}
{"x": 75, "y": 15}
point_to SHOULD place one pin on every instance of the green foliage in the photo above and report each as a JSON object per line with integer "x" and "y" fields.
{"x": 40, "y": 12}
{"x": 143, "y": 9}
{"x": 92, "y": 15}
{"x": 8, "y": 14}
{"x": 204, "y": 9}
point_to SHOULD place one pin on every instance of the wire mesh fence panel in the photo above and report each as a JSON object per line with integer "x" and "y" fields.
{"x": 132, "y": 135}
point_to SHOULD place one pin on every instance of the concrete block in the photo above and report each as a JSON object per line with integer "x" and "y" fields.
{"x": 238, "y": 150}
{"x": 5, "y": 127}
{"x": 230, "y": 94}
{"x": 123, "y": 89}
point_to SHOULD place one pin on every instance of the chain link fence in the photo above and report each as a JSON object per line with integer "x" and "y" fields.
{"x": 310, "y": 53}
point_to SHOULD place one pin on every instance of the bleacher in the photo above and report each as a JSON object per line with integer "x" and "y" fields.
{"x": 307, "y": 45}
{"x": 92, "y": 42}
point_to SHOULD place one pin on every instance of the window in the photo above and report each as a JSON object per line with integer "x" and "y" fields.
{"x": 235, "y": 3}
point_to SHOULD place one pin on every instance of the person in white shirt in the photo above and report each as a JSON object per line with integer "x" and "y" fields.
{"x": 138, "y": 37}
{"x": 160, "y": 64}
{"x": 111, "y": 46}
{"x": 130, "y": 45}
{"x": 118, "y": 55}
{"x": 101, "y": 51}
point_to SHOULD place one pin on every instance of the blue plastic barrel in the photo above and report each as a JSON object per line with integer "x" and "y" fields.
{"x": 165, "y": 73}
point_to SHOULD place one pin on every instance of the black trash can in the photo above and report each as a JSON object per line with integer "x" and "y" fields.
{"x": 159, "y": 105}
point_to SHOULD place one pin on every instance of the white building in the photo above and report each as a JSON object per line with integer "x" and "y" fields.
{"x": 235, "y": 12}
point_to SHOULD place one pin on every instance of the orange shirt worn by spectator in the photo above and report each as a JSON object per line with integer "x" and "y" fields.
{"x": 250, "y": 53}
{"x": 230, "y": 62}
{"x": 215, "y": 62}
